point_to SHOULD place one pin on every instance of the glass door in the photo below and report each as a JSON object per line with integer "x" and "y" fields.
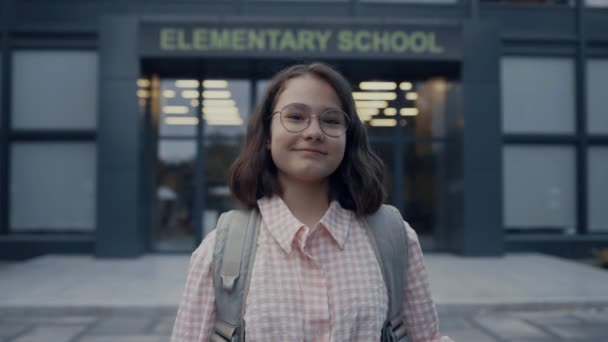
{"x": 199, "y": 125}
{"x": 407, "y": 122}
{"x": 178, "y": 127}
{"x": 225, "y": 108}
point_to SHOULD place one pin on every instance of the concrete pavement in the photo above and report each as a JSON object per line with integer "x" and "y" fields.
{"x": 154, "y": 325}
{"x": 519, "y": 297}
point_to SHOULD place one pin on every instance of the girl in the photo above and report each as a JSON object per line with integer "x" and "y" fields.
{"x": 308, "y": 168}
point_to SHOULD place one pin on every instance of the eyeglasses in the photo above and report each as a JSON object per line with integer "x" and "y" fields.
{"x": 296, "y": 118}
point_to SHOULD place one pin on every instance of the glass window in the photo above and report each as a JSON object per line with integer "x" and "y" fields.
{"x": 179, "y": 104}
{"x": 54, "y": 90}
{"x": 597, "y": 189}
{"x": 418, "y": 107}
{"x": 425, "y": 2}
{"x": 429, "y": 112}
{"x": 261, "y": 87}
{"x": 219, "y": 156}
{"x": 328, "y": 1}
{"x": 537, "y": 95}
{"x": 597, "y": 118}
{"x": 423, "y": 180}
{"x": 226, "y": 106}
{"x": 379, "y": 103}
{"x": 52, "y": 187}
{"x": 175, "y": 172}
{"x": 174, "y": 152}
{"x": 386, "y": 152}
{"x": 533, "y": 2}
{"x": 539, "y": 188}
{"x": 596, "y": 3}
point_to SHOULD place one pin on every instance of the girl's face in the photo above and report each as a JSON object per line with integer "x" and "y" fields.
{"x": 310, "y": 155}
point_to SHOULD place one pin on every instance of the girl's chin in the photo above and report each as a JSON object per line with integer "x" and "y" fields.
{"x": 312, "y": 178}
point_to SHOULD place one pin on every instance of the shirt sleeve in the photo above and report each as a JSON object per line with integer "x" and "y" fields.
{"x": 418, "y": 309}
{"x": 196, "y": 313}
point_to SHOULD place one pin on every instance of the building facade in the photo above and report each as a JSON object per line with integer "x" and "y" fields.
{"x": 119, "y": 119}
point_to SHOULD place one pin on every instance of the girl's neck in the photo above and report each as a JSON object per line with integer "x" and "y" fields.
{"x": 308, "y": 202}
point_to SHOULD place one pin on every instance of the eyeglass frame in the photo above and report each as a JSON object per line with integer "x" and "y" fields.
{"x": 347, "y": 126}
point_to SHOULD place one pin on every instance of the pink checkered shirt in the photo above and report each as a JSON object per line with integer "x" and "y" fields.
{"x": 320, "y": 284}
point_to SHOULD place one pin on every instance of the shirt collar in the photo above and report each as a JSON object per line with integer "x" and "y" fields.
{"x": 337, "y": 221}
{"x": 283, "y": 226}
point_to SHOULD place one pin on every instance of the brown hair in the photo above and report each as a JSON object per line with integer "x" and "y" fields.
{"x": 356, "y": 183}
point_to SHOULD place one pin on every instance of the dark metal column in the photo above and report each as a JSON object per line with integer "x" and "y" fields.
{"x": 119, "y": 230}
{"x": 200, "y": 190}
{"x": 581, "y": 120}
{"x": 5, "y": 104}
{"x": 482, "y": 231}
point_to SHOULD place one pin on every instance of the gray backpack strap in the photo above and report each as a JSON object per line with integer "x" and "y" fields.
{"x": 233, "y": 256}
{"x": 389, "y": 241}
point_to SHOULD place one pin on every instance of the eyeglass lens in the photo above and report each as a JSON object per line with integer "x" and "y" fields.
{"x": 296, "y": 118}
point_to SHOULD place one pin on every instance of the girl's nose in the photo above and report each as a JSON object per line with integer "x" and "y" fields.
{"x": 314, "y": 131}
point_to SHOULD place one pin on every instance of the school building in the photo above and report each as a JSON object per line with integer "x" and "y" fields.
{"x": 119, "y": 119}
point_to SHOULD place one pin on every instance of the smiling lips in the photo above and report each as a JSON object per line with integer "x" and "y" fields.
{"x": 310, "y": 150}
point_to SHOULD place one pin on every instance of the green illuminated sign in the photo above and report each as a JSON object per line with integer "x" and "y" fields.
{"x": 203, "y": 40}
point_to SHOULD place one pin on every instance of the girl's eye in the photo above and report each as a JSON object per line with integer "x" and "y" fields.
{"x": 295, "y": 116}
{"x": 333, "y": 119}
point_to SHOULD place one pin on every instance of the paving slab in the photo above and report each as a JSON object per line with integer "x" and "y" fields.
{"x": 45, "y": 333}
{"x": 123, "y": 324}
{"x": 133, "y": 338}
{"x": 164, "y": 326}
{"x": 467, "y": 335}
{"x": 81, "y": 281}
{"x": 156, "y": 281}
{"x": 515, "y": 280}
{"x": 9, "y": 330}
{"x": 593, "y": 316}
{"x": 510, "y": 328}
{"x": 588, "y": 333}
{"x": 155, "y": 325}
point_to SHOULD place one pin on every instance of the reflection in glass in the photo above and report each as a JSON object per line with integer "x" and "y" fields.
{"x": 389, "y": 107}
{"x": 537, "y": 197}
{"x": 597, "y": 190}
{"x": 225, "y": 109}
{"x": 538, "y": 94}
{"x": 597, "y": 74}
{"x": 425, "y": 2}
{"x": 178, "y": 113}
{"x": 225, "y": 106}
{"x": 422, "y": 180}
{"x": 386, "y": 153}
{"x": 175, "y": 194}
{"x": 219, "y": 155}
{"x": 54, "y": 89}
{"x": 261, "y": 87}
{"x": 426, "y": 111}
{"x": 60, "y": 198}
{"x": 596, "y": 3}
{"x": 545, "y": 2}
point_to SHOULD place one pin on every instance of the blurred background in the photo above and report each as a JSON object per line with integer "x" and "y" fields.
{"x": 119, "y": 121}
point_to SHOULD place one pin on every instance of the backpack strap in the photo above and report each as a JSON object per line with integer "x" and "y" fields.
{"x": 234, "y": 254}
{"x": 389, "y": 241}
